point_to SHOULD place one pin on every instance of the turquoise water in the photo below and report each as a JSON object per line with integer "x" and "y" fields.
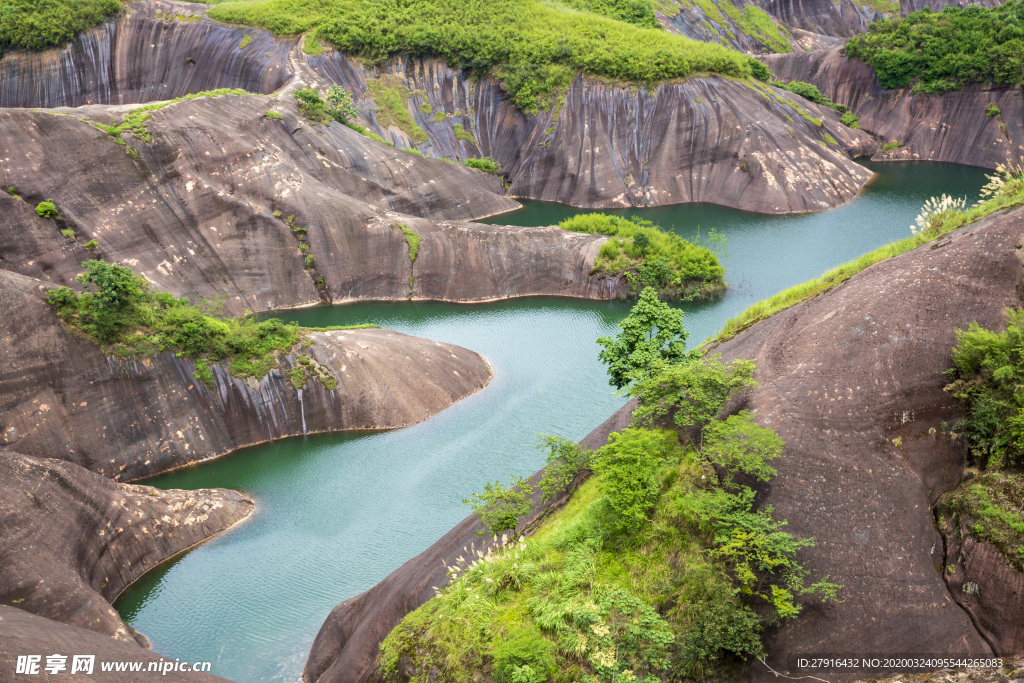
{"x": 337, "y": 513}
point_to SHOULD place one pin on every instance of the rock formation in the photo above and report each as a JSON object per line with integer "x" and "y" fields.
{"x": 951, "y": 127}
{"x": 852, "y": 381}
{"x": 60, "y": 397}
{"x": 71, "y": 540}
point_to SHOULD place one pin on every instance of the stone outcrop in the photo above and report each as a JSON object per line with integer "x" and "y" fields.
{"x": 71, "y": 540}
{"x": 60, "y": 397}
{"x": 157, "y": 50}
{"x": 708, "y": 139}
{"x": 852, "y": 381}
{"x": 952, "y": 127}
{"x": 23, "y": 633}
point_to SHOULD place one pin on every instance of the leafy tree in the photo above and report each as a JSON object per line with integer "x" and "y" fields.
{"x": 565, "y": 460}
{"x": 738, "y": 444}
{"x": 341, "y": 108}
{"x": 500, "y": 508}
{"x": 692, "y": 393}
{"x": 629, "y": 467}
{"x": 652, "y": 334}
{"x": 112, "y": 301}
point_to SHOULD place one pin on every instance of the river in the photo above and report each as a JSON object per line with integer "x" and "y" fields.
{"x": 337, "y": 513}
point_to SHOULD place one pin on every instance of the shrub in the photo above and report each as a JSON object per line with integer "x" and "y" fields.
{"x": 993, "y": 110}
{"x": 652, "y": 335}
{"x": 311, "y": 105}
{"x": 273, "y": 116}
{"x": 524, "y": 657}
{"x": 35, "y": 25}
{"x": 759, "y": 70}
{"x": 629, "y": 466}
{"x": 341, "y": 108}
{"x": 462, "y": 134}
{"x": 738, "y": 444}
{"x": 92, "y": 245}
{"x": 565, "y": 460}
{"x": 46, "y": 209}
{"x": 11, "y": 190}
{"x": 894, "y": 144}
{"x": 487, "y": 164}
{"x": 500, "y": 508}
{"x": 68, "y": 232}
{"x": 851, "y": 120}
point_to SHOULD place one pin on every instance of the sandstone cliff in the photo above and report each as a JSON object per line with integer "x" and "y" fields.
{"x": 71, "y": 540}
{"x": 853, "y": 383}
{"x": 951, "y": 127}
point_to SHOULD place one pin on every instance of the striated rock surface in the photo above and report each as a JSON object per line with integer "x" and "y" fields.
{"x": 951, "y": 127}
{"x": 209, "y": 209}
{"x": 705, "y": 140}
{"x": 347, "y": 645}
{"x": 24, "y": 633}
{"x": 60, "y": 397}
{"x": 852, "y": 381}
{"x": 71, "y": 540}
{"x": 157, "y": 50}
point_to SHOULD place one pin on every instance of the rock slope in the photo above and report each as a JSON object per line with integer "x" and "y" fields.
{"x": 71, "y": 540}
{"x": 853, "y": 383}
{"x": 952, "y": 127}
{"x": 60, "y": 397}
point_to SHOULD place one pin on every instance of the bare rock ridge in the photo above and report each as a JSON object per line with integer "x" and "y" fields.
{"x": 60, "y": 397}
{"x": 210, "y": 207}
{"x": 951, "y": 127}
{"x": 24, "y": 633}
{"x": 71, "y": 540}
{"x": 608, "y": 146}
{"x": 708, "y": 139}
{"x": 840, "y": 377}
{"x": 157, "y": 50}
{"x": 346, "y": 647}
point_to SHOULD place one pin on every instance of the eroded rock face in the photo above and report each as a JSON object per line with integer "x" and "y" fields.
{"x": 951, "y": 127}
{"x": 347, "y": 645}
{"x": 23, "y": 633}
{"x": 210, "y": 208}
{"x": 60, "y": 397}
{"x": 158, "y": 50}
{"x": 705, "y": 140}
{"x": 72, "y": 540}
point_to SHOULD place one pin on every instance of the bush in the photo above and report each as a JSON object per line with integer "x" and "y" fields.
{"x": 652, "y": 335}
{"x": 341, "y": 108}
{"x": 500, "y": 508}
{"x": 68, "y": 232}
{"x": 945, "y": 50}
{"x": 311, "y": 105}
{"x": 651, "y": 257}
{"x": 92, "y": 245}
{"x": 629, "y": 467}
{"x": 851, "y": 120}
{"x": 38, "y": 24}
{"x": 487, "y": 164}
{"x": 46, "y": 209}
{"x": 992, "y": 111}
{"x": 273, "y": 116}
{"x": 525, "y": 657}
{"x": 566, "y": 459}
{"x": 759, "y": 70}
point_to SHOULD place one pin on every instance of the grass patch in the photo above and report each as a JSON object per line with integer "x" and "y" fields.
{"x": 487, "y": 165}
{"x": 35, "y": 25}
{"x": 413, "y": 240}
{"x": 535, "y": 48}
{"x": 273, "y": 116}
{"x": 462, "y": 134}
{"x": 991, "y": 507}
{"x": 246, "y": 42}
{"x": 1010, "y": 194}
{"x": 756, "y": 23}
{"x": 391, "y": 96}
{"x": 651, "y": 257}
{"x": 311, "y": 46}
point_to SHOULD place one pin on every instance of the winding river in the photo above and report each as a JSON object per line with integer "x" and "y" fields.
{"x": 337, "y": 513}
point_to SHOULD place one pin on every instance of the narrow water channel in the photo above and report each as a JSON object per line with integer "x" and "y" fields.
{"x": 337, "y": 513}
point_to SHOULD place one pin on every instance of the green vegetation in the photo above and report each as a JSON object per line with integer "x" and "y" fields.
{"x": 462, "y": 134}
{"x": 637, "y": 12}
{"x": 644, "y": 575}
{"x": 894, "y": 144}
{"x": 273, "y": 116}
{"x": 439, "y": 115}
{"x": 809, "y": 91}
{"x": 118, "y": 311}
{"x": 38, "y": 24}
{"x": 68, "y": 232}
{"x": 92, "y": 245}
{"x": 337, "y": 107}
{"x": 851, "y": 120}
{"x": 759, "y": 71}
{"x": 246, "y": 41}
{"x": 652, "y": 334}
{"x": 1005, "y": 189}
{"x": 830, "y": 140}
{"x": 413, "y": 241}
{"x": 487, "y": 165}
{"x": 650, "y": 256}
{"x": 501, "y": 507}
{"x": 46, "y": 209}
{"x": 944, "y": 51}
{"x": 992, "y": 506}
{"x": 992, "y": 111}
{"x": 535, "y": 48}
{"x": 392, "y": 96}
{"x": 311, "y": 46}
{"x": 756, "y": 23}
{"x": 13, "y": 191}
{"x": 134, "y": 122}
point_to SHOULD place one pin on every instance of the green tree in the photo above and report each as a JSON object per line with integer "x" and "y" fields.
{"x": 566, "y": 459}
{"x": 341, "y": 108}
{"x": 115, "y": 293}
{"x": 499, "y": 507}
{"x": 738, "y": 444}
{"x": 692, "y": 393}
{"x": 652, "y": 334}
{"x": 629, "y": 466}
